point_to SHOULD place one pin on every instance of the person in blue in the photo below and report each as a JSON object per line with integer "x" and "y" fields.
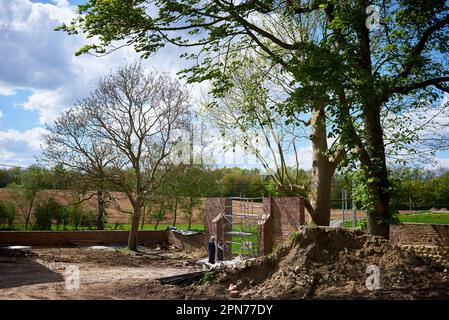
{"x": 211, "y": 246}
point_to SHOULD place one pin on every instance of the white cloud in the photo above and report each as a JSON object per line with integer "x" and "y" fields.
{"x": 37, "y": 58}
{"x": 16, "y": 147}
{"x": 6, "y": 90}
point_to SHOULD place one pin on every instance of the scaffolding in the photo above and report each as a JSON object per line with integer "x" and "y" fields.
{"x": 241, "y": 219}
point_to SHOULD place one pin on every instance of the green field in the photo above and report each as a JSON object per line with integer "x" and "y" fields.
{"x": 426, "y": 217}
{"x": 421, "y": 217}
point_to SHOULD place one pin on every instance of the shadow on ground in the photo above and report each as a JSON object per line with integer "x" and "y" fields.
{"x": 17, "y": 269}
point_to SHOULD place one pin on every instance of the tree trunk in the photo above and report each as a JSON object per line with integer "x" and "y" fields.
{"x": 190, "y": 212}
{"x": 322, "y": 170}
{"x": 175, "y": 211}
{"x": 378, "y": 221}
{"x": 159, "y": 215}
{"x": 28, "y": 215}
{"x": 144, "y": 212}
{"x": 132, "y": 240}
{"x": 101, "y": 209}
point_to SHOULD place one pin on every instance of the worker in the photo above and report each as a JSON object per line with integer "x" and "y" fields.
{"x": 212, "y": 250}
{"x": 220, "y": 250}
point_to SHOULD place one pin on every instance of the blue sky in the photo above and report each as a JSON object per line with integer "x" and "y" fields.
{"x": 40, "y": 76}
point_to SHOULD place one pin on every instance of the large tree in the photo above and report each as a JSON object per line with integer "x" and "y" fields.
{"x": 360, "y": 71}
{"x": 129, "y": 125}
{"x": 247, "y": 115}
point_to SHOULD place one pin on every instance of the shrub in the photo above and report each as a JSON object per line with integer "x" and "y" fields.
{"x": 42, "y": 217}
{"x": 88, "y": 219}
{"x": 46, "y": 212}
{"x": 61, "y": 215}
{"x": 75, "y": 213}
{"x": 8, "y": 214}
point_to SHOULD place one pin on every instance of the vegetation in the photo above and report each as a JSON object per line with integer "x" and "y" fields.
{"x": 8, "y": 214}
{"x": 426, "y": 217}
{"x": 365, "y": 75}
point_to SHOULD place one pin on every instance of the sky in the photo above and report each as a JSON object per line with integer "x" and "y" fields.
{"x": 40, "y": 76}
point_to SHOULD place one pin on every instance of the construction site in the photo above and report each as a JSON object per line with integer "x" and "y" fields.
{"x": 270, "y": 252}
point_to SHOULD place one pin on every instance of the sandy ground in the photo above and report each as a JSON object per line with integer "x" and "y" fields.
{"x": 44, "y": 273}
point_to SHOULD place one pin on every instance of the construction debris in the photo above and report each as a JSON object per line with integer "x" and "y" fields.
{"x": 328, "y": 262}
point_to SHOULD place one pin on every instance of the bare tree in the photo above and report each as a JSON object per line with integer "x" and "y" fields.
{"x": 248, "y": 116}
{"x": 139, "y": 118}
{"x": 123, "y": 134}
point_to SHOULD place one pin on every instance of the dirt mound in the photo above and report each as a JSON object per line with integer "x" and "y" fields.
{"x": 328, "y": 262}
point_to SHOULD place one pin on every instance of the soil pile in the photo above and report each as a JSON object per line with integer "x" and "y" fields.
{"x": 332, "y": 263}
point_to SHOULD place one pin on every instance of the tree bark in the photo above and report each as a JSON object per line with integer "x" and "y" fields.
{"x": 101, "y": 209}
{"x": 132, "y": 240}
{"x": 175, "y": 211}
{"x": 28, "y": 215}
{"x": 190, "y": 211}
{"x": 144, "y": 212}
{"x": 378, "y": 221}
{"x": 322, "y": 170}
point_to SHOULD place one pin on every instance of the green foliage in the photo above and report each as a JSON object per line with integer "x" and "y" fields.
{"x": 8, "y": 214}
{"x": 88, "y": 219}
{"x": 236, "y": 182}
{"x": 49, "y": 212}
{"x": 329, "y": 53}
{"x": 361, "y": 224}
{"x": 206, "y": 278}
{"x": 420, "y": 189}
{"x": 75, "y": 214}
{"x": 361, "y": 192}
{"x": 44, "y": 214}
{"x": 61, "y": 216}
{"x": 294, "y": 236}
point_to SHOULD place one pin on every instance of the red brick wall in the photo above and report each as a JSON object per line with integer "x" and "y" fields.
{"x": 212, "y": 208}
{"x": 286, "y": 216}
{"x": 71, "y": 238}
{"x": 420, "y": 234}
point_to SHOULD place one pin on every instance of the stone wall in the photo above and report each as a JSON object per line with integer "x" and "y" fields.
{"x": 420, "y": 234}
{"x": 77, "y": 238}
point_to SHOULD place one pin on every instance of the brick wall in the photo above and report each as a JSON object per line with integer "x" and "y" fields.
{"x": 212, "y": 208}
{"x": 420, "y": 234}
{"x": 286, "y": 216}
{"x": 80, "y": 238}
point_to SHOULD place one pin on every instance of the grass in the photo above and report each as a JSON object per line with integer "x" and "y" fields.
{"x": 422, "y": 217}
{"x": 429, "y": 217}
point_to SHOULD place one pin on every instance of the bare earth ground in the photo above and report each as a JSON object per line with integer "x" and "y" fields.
{"x": 103, "y": 274}
{"x": 317, "y": 263}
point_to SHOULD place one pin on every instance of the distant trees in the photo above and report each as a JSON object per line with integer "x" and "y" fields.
{"x": 24, "y": 193}
{"x": 8, "y": 213}
{"x": 420, "y": 189}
